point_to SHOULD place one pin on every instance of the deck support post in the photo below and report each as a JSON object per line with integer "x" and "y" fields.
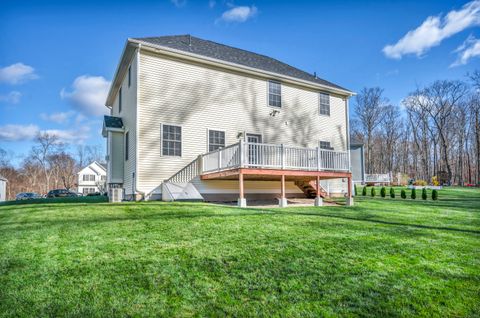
{"x": 242, "y": 202}
{"x": 318, "y": 198}
{"x": 282, "y": 202}
{"x": 349, "y": 198}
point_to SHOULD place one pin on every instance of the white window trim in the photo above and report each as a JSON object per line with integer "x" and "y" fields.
{"x": 251, "y": 133}
{"x": 208, "y": 136}
{"x": 268, "y": 94}
{"x": 161, "y": 140}
{"x": 320, "y": 105}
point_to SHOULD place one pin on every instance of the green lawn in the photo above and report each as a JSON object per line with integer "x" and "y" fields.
{"x": 381, "y": 258}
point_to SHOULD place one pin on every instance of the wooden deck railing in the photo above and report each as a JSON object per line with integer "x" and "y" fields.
{"x": 271, "y": 156}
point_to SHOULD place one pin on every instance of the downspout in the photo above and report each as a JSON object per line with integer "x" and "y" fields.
{"x": 136, "y": 123}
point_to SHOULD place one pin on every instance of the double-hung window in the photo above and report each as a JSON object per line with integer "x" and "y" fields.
{"x": 88, "y": 177}
{"x": 324, "y": 104}
{"x": 129, "y": 76}
{"x": 216, "y": 139}
{"x": 326, "y": 145}
{"x": 274, "y": 94}
{"x": 171, "y": 140}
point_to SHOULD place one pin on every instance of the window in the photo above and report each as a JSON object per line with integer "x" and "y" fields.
{"x": 88, "y": 190}
{"x": 103, "y": 178}
{"x": 324, "y": 104}
{"x": 129, "y": 76}
{"x": 171, "y": 140}
{"x": 120, "y": 100}
{"x": 216, "y": 139}
{"x": 88, "y": 177}
{"x": 325, "y": 145}
{"x": 274, "y": 94}
{"x": 127, "y": 137}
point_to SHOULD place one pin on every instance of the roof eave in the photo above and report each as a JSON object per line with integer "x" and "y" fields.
{"x": 209, "y": 60}
{"x": 127, "y": 53}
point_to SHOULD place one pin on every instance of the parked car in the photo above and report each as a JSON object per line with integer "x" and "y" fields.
{"x": 27, "y": 196}
{"x": 61, "y": 193}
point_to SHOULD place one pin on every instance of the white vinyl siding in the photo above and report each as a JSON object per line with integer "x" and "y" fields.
{"x": 324, "y": 104}
{"x": 198, "y": 97}
{"x": 129, "y": 118}
{"x": 274, "y": 94}
{"x": 216, "y": 139}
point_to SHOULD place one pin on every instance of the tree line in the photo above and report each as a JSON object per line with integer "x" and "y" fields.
{"x": 435, "y": 132}
{"x": 50, "y": 164}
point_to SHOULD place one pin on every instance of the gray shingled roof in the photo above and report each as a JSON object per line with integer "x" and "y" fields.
{"x": 113, "y": 122}
{"x": 233, "y": 55}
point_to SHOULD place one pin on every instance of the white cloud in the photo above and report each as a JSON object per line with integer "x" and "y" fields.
{"x": 15, "y": 133}
{"x": 18, "y": 132}
{"x": 469, "y": 49}
{"x": 88, "y": 94}
{"x": 12, "y": 98}
{"x": 72, "y": 136}
{"x": 239, "y": 14}
{"x": 179, "y": 3}
{"x": 434, "y": 30}
{"x": 59, "y": 118}
{"x": 17, "y": 73}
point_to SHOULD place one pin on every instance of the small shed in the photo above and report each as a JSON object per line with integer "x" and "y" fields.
{"x": 3, "y": 189}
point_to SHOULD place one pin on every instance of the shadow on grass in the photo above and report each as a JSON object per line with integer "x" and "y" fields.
{"x": 205, "y": 211}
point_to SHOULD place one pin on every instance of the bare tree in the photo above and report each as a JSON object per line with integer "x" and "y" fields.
{"x": 45, "y": 146}
{"x": 369, "y": 109}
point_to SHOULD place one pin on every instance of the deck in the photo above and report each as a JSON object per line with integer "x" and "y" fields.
{"x": 269, "y": 162}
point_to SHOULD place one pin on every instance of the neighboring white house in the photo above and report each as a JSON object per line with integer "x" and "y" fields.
{"x": 194, "y": 119}
{"x": 3, "y": 189}
{"x": 92, "y": 178}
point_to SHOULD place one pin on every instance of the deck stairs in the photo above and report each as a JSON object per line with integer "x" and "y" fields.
{"x": 310, "y": 189}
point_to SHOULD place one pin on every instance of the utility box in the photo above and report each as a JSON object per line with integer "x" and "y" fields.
{"x": 115, "y": 195}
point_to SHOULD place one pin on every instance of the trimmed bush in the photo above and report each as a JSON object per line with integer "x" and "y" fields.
{"x": 414, "y": 194}
{"x": 403, "y": 194}
{"x": 424, "y": 193}
{"x": 364, "y": 191}
{"x": 434, "y": 194}
{"x": 392, "y": 193}
{"x": 383, "y": 192}
{"x": 355, "y": 189}
{"x": 372, "y": 192}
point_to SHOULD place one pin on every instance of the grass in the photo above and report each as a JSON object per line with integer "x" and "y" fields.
{"x": 383, "y": 257}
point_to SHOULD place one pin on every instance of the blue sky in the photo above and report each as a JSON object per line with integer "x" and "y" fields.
{"x": 57, "y": 57}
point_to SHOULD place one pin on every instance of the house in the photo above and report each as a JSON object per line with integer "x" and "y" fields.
{"x": 92, "y": 178}
{"x": 195, "y": 119}
{"x": 3, "y": 189}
